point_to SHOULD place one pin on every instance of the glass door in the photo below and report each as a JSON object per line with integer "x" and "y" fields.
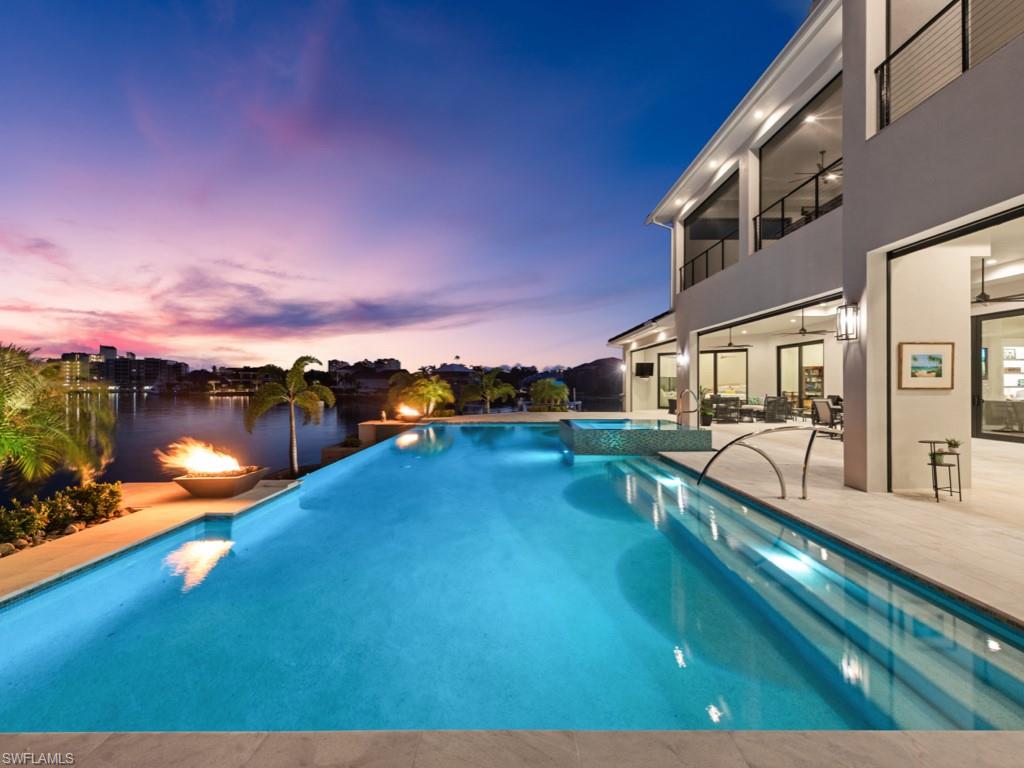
{"x": 998, "y": 376}
{"x": 666, "y": 378}
{"x": 801, "y": 373}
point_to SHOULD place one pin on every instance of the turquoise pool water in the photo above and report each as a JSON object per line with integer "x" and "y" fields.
{"x": 467, "y": 577}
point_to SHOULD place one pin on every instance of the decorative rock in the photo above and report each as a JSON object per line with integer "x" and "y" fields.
{"x": 20, "y": 543}
{"x": 70, "y": 529}
{"x": 7, "y": 548}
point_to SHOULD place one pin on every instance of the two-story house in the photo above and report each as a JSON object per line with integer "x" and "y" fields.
{"x": 855, "y": 229}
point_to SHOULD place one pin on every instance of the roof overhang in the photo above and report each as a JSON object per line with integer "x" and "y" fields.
{"x": 663, "y": 324}
{"x": 811, "y": 57}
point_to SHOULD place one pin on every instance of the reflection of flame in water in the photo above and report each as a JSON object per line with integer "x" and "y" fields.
{"x": 195, "y": 456}
{"x": 407, "y": 439}
{"x": 195, "y": 559}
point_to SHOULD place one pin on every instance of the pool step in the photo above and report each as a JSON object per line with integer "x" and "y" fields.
{"x": 854, "y": 612}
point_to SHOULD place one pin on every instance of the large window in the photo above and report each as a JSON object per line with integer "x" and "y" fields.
{"x": 666, "y": 378}
{"x": 711, "y": 234}
{"x": 999, "y": 376}
{"x": 724, "y": 372}
{"x": 802, "y": 168}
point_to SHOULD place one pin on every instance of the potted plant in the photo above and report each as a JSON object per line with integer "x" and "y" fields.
{"x": 938, "y": 458}
{"x": 707, "y": 410}
{"x": 952, "y": 443}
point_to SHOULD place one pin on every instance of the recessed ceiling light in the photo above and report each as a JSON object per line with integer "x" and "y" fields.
{"x": 713, "y": 164}
{"x": 810, "y": 119}
{"x": 742, "y": 331}
{"x": 758, "y": 114}
{"x": 990, "y": 261}
{"x": 792, "y": 319}
{"x": 679, "y": 201}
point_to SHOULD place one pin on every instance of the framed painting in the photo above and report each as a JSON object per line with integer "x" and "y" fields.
{"x": 926, "y": 364}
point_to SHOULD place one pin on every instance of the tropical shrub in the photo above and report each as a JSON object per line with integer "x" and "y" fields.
{"x": 550, "y": 394}
{"x": 442, "y": 412}
{"x": 489, "y": 388}
{"x": 84, "y": 504}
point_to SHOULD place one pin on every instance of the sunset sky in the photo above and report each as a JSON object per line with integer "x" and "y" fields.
{"x": 243, "y": 182}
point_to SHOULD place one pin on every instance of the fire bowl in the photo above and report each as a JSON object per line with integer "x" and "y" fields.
{"x": 221, "y": 486}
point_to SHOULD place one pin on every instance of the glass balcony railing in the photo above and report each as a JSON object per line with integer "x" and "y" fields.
{"x": 722, "y": 254}
{"x": 960, "y": 36}
{"x": 821, "y": 193}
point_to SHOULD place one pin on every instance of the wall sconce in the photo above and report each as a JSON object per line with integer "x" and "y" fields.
{"x": 847, "y": 325}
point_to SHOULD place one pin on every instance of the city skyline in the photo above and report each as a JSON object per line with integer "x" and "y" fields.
{"x": 225, "y": 184}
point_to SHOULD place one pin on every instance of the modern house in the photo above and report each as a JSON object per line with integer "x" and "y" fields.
{"x": 855, "y": 228}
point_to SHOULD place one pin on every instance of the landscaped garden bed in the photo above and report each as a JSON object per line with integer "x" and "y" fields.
{"x": 26, "y": 524}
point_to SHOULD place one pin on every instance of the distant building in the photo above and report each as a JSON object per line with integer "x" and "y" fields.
{"x": 107, "y": 353}
{"x": 76, "y": 369}
{"x": 338, "y": 366}
{"x": 241, "y": 379}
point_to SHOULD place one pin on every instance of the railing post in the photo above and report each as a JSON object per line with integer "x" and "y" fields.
{"x": 965, "y": 34}
{"x": 817, "y": 195}
{"x": 782, "y": 218}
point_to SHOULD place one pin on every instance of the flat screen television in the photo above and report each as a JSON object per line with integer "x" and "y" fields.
{"x": 644, "y": 370}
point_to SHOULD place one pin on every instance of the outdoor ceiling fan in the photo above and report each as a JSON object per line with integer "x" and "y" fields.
{"x": 984, "y": 298}
{"x": 803, "y": 329}
{"x": 728, "y": 346}
{"x": 833, "y": 175}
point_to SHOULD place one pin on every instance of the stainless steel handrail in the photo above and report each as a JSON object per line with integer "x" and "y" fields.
{"x": 792, "y": 428}
{"x": 696, "y": 400}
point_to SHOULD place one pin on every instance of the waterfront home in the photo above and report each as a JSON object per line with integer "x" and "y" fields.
{"x": 859, "y": 212}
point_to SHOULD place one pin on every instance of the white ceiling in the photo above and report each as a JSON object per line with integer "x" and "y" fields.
{"x": 821, "y": 317}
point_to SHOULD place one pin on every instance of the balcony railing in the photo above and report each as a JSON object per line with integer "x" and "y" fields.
{"x": 821, "y": 193}
{"x": 722, "y": 254}
{"x": 960, "y": 36}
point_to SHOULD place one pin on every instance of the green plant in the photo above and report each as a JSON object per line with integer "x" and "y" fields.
{"x": 952, "y": 443}
{"x": 22, "y": 521}
{"x": 82, "y": 504}
{"x": 706, "y": 408}
{"x": 551, "y": 393}
{"x": 937, "y": 457}
{"x": 489, "y": 388}
{"x": 443, "y": 412}
{"x": 292, "y": 390}
{"x": 39, "y": 432}
{"x": 427, "y": 392}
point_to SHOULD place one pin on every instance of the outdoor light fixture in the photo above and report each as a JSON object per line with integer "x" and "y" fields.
{"x": 622, "y": 367}
{"x": 810, "y": 119}
{"x": 846, "y": 323}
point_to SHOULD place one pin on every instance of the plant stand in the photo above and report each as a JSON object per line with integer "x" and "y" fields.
{"x": 949, "y": 487}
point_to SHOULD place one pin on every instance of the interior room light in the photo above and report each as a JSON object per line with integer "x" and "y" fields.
{"x": 758, "y": 114}
{"x": 990, "y": 262}
{"x": 846, "y": 323}
{"x": 742, "y": 331}
{"x": 713, "y": 164}
{"x": 679, "y": 201}
{"x": 811, "y": 119}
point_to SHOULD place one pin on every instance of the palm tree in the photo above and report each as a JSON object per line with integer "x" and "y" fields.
{"x": 294, "y": 392}
{"x": 489, "y": 388}
{"x": 549, "y": 392}
{"x": 428, "y": 391}
{"x": 42, "y": 430}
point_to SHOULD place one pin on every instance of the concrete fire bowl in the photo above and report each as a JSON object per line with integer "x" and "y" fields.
{"x": 221, "y": 486}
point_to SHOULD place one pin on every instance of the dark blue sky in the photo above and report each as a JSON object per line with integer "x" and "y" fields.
{"x": 244, "y": 181}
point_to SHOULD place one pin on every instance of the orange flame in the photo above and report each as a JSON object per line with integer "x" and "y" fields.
{"x": 406, "y": 410}
{"x": 196, "y": 457}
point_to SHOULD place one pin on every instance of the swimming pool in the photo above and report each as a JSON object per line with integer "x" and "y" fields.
{"x": 468, "y": 577}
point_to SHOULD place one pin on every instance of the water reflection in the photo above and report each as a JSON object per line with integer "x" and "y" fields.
{"x": 195, "y": 559}
{"x": 428, "y": 441}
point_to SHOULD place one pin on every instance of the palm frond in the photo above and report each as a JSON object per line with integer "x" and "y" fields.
{"x": 310, "y": 405}
{"x": 323, "y": 393}
{"x": 265, "y": 398}
{"x": 295, "y": 379}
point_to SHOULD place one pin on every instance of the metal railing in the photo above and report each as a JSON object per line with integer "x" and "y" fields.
{"x": 711, "y": 261}
{"x": 741, "y": 441}
{"x": 821, "y": 193}
{"x": 960, "y": 36}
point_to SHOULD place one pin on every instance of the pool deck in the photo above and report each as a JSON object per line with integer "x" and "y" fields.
{"x": 161, "y": 507}
{"x": 533, "y": 749}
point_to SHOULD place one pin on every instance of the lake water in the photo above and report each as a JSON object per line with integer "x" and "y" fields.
{"x": 147, "y": 422}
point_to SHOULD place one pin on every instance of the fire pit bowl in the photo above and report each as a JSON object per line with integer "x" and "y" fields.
{"x": 219, "y": 485}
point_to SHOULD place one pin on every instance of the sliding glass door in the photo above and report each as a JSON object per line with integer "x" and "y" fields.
{"x": 724, "y": 372}
{"x": 801, "y": 373}
{"x": 998, "y": 376}
{"x": 666, "y": 378}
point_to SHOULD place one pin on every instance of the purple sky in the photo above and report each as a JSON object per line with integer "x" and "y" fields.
{"x": 235, "y": 182}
